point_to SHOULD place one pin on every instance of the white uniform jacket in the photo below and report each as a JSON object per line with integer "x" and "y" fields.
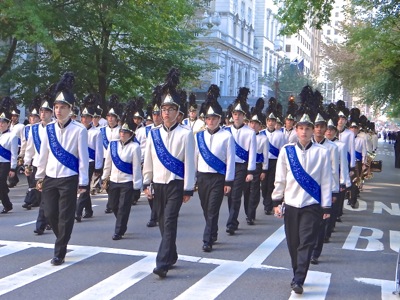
{"x": 315, "y": 161}
{"x": 95, "y": 146}
{"x": 262, "y": 150}
{"x": 195, "y": 125}
{"x": 276, "y": 140}
{"x": 18, "y": 130}
{"x": 347, "y": 137}
{"x": 360, "y": 148}
{"x": 344, "y": 177}
{"x": 31, "y": 152}
{"x": 108, "y": 134}
{"x": 129, "y": 152}
{"x": 141, "y": 135}
{"x": 334, "y": 159}
{"x": 291, "y": 135}
{"x": 9, "y": 143}
{"x": 73, "y": 138}
{"x": 179, "y": 142}
{"x": 222, "y": 145}
{"x": 245, "y": 137}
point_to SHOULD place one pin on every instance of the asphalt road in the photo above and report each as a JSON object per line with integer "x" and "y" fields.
{"x": 358, "y": 262}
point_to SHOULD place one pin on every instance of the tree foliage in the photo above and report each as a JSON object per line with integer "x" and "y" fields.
{"x": 369, "y": 62}
{"x": 294, "y": 14}
{"x": 124, "y": 46}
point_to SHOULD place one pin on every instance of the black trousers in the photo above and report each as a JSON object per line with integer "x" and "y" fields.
{"x": 153, "y": 213}
{"x": 251, "y": 194}
{"x": 84, "y": 200}
{"x": 120, "y": 199}
{"x": 354, "y": 191}
{"x": 41, "y": 221}
{"x": 235, "y": 197}
{"x": 397, "y": 156}
{"x": 319, "y": 243}
{"x": 59, "y": 199}
{"x": 211, "y": 194}
{"x": 268, "y": 185}
{"x": 168, "y": 200}
{"x": 340, "y": 202}
{"x": 301, "y": 229}
{"x": 4, "y": 190}
{"x": 32, "y": 195}
{"x": 331, "y": 221}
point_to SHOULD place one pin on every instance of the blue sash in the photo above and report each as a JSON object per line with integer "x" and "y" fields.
{"x": 5, "y": 153}
{"x": 171, "y": 163}
{"x": 136, "y": 140}
{"x": 120, "y": 164}
{"x": 19, "y": 141}
{"x": 212, "y": 160}
{"x": 92, "y": 153}
{"x": 105, "y": 139}
{"x": 186, "y": 122}
{"x": 348, "y": 158}
{"x": 148, "y": 128}
{"x": 36, "y": 138}
{"x": 27, "y": 128}
{"x": 259, "y": 158}
{"x": 64, "y": 157}
{"x": 273, "y": 150}
{"x": 358, "y": 155}
{"x": 239, "y": 151}
{"x": 302, "y": 177}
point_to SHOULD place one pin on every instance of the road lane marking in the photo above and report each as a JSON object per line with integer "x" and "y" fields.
{"x": 11, "y": 249}
{"x": 215, "y": 282}
{"x": 119, "y": 282}
{"x": 387, "y": 287}
{"x": 22, "y": 278}
{"x": 25, "y": 224}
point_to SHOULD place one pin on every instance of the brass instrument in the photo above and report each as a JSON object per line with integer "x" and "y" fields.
{"x": 368, "y": 172}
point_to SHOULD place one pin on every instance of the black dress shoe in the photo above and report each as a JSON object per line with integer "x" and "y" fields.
{"x": 161, "y": 272}
{"x": 151, "y": 223}
{"x": 214, "y": 239}
{"x": 250, "y": 221}
{"x": 6, "y": 210}
{"x": 298, "y": 288}
{"x": 207, "y": 247}
{"x": 268, "y": 212}
{"x": 108, "y": 211}
{"x": 27, "y": 206}
{"x": 56, "y": 261}
{"x": 38, "y": 231}
{"x": 116, "y": 237}
{"x": 314, "y": 260}
{"x": 230, "y": 230}
{"x": 78, "y": 219}
{"x": 48, "y": 227}
{"x": 87, "y": 215}
{"x": 339, "y": 219}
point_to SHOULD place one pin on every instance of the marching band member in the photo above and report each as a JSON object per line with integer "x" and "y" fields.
{"x": 276, "y": 140}
{"x": 111, "y": 131}
{"x": 251, "y": 193}
{"x": 63, "y": 167}
{"x": 304, "y": 180}
{"x": 344, "y": 178}
{"x": 193, "y": 121}
{"x": 169, "y": 168}
{"x": 143, "y": 133}
{"x": 95, "y": 151}
{"x": 245, "y": 158}
{"x": 215, "y": 165}
{"x": 320, "y": 126}
{"x": 123, "y": 166}
{"x": 290, "y": 131}
{"x": 32, "y": 198}
{"x": 31, "y": 158}
{"x": 8, "y": 153}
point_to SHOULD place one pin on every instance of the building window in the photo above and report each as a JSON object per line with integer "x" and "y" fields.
{"x": 249, "y": 15}
{"x": 242, "y": 10}
{"x": 336, "y": 14}
{"x": 288, "y": 48}
{"x": 336, "y": 32}
{"x": 328, "y": 32}
{"x": 235, "y": 6}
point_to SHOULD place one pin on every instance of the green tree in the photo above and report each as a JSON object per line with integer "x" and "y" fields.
{"x": 124, "y": 47}
{"x": 369, "y": 62}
